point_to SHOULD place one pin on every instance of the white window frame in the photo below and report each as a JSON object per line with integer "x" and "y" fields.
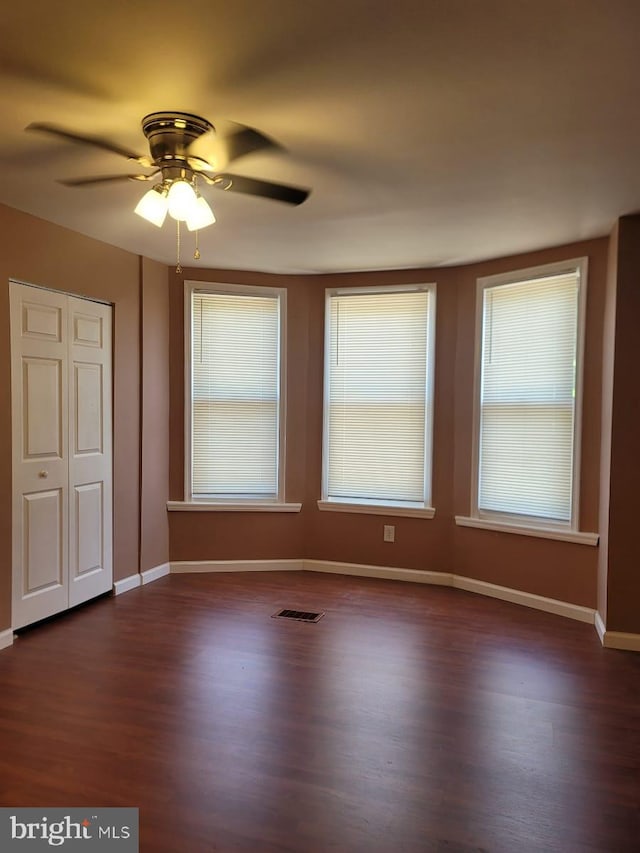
{"x": 234, "y": 504}
{"x": 516, "y": 523}
{"x": 390, "y": 507}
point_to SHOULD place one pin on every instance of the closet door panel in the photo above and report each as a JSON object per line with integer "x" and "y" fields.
{"x": 90, "y": 456}
{"x": 40, "y": 453}
{"x": 43, "y": 541}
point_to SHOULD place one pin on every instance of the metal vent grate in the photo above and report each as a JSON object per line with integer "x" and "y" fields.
{"x": 300, "y": 615}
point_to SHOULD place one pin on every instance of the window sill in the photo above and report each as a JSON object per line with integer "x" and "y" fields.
{"x": 377, "y": 509}
{"x": 522, "y": 530}
{"x": 228, "y": 506}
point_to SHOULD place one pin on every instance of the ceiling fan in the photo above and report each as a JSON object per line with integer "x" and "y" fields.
{"x": 184, "y": 149}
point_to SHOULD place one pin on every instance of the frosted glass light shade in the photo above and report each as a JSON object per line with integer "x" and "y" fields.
{"x": 200, "y": 216}
{"x": 153, "y": 207}
{"x": 182, "y": 199}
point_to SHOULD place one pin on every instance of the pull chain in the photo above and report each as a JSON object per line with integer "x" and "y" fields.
{"x": 178, "y": 264}
{"x": 196, "y": 254}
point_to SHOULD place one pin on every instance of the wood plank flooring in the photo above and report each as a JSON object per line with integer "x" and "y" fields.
{"x": 410, "y": 719}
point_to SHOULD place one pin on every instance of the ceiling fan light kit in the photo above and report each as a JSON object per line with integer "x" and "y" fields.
{"x": 184, "y": 147}
{"x": 181, "y": 198}
{"x": 200, "y": 215}
{"x": 153, "y": 206}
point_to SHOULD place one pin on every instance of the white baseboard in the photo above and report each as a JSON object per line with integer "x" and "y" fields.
{"x": 609, "y": 639}
{"x": 126, "y": 584}
{"x": 188, "y": 566}
{"x": 6, "y": 638}
{"x": 527, "y": 599}
{"x": 621, "y": 640}
{"x": 617, "y": 639}
{"x": 155, "y": 573}
{"x": 387, "y": 572}
{"x": 514, "y": 596}
{"x": 600, "y": 628}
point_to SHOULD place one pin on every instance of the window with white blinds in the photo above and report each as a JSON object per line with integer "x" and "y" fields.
{"x": 529, "y": 393}
{"x": 379, "y": 396}
{"x": 235, "y": 414}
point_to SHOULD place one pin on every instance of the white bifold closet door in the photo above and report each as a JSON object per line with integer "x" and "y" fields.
{"x": 62, "y": 451}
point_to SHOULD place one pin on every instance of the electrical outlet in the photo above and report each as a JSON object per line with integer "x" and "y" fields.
{"x": 389, "y": 534}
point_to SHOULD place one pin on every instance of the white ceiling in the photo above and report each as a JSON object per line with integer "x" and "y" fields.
{"x": 432, "y": 132}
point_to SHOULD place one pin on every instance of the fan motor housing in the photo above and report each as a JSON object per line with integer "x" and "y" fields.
{"x": 171, "y": 133}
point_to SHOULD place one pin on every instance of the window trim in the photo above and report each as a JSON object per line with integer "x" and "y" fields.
{"x": 235, "y": 502}
{"x": 371, "y": 507}
{"x": 563, "y": 534}
{"x": 239, "y": 506}
{"x": 405, "y": 510}
{"x": 509, "y": 521}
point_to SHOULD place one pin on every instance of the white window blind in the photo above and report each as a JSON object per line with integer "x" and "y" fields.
{"x": 528, "y": 397}
{"x": 378, "y": 399}
{"x": 235, "y": 370}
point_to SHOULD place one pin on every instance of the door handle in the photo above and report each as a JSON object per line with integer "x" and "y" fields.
{"x": 44, "y": 474}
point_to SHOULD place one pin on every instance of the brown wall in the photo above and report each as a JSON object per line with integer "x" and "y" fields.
{"x": 608, "y": 354}
{"x": 247, "y": 536}
{"x": 623, "y": 548}
{"x": 357, "y": 538}
{"x": 148, "y": 422}
{"x": 154, "y": 469}
{"x": 559, "y": 570}
{"x": 37, "y": 252}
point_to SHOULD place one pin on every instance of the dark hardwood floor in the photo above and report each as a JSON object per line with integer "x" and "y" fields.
{"x": 409, "y": 719}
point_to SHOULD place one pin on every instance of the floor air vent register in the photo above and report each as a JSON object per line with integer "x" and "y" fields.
{"x": 298, "y": 615}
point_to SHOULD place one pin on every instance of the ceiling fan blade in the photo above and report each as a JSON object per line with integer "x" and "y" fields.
{"x": 102, "y": 179}
{"x": 264, "y": 189}
{"x": 244, "y": 140}
{"x": 97, "y": 142}
{"x": 214, "y": 150}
